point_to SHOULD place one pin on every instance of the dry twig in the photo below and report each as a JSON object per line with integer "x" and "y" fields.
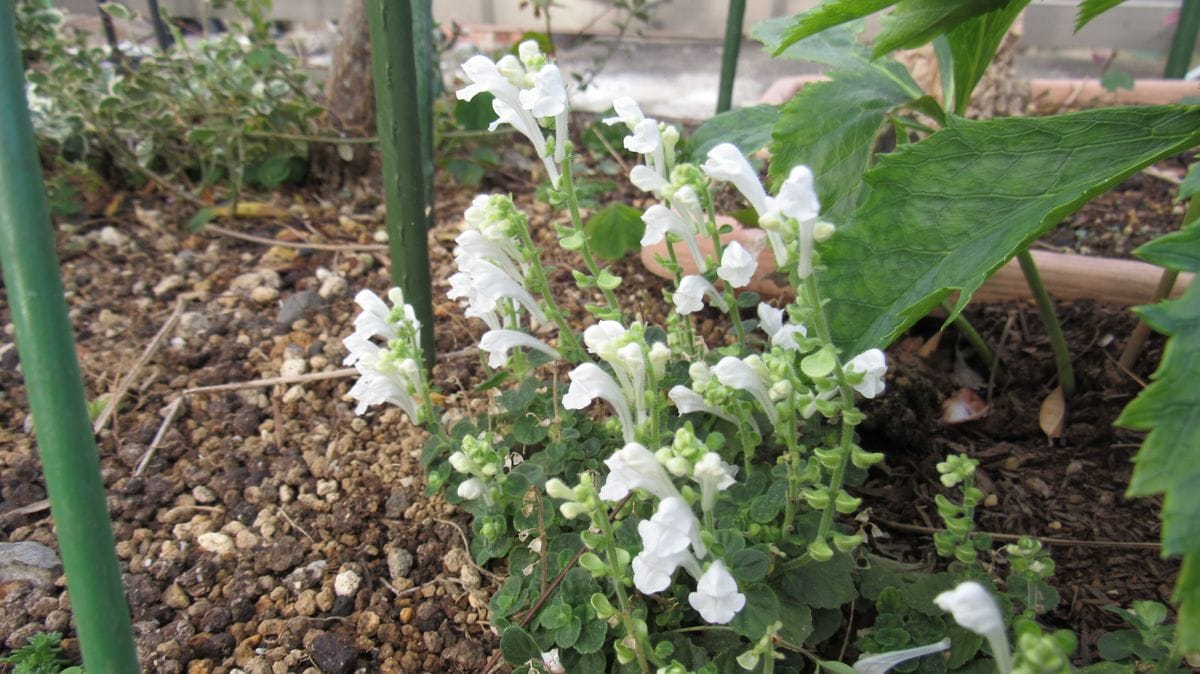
{"x": 343, "y": 247}
{"x": 118, "y": 392}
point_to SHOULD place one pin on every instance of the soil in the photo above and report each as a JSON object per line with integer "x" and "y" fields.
{"x": 270, "y": 529}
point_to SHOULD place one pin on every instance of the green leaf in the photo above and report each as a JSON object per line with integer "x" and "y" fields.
{"x": 1090, "y": 9}
{"x": 831, "y": 127}
{"x": 201, "y": 218}
{"x": 835, "y": 667}
{"x": 759, "y": 613}
{"x": 274, "y": 171}
{"x": 827, "y": 15}
{"x": 749, "y": 565}
{"x": 475, "y": 114}
{"x": 747, "y": 128}
{"x": 518, "y": 647}
{"x": 797, "y": 621}
{"x": 973, "y": 44}
{"x": 822, "y": 584}
{"x": 915, "y": 22}
{"x": 1118, "y": 645}
{"x": 568, "y": 634}
{"x": 527, "y": 431}
{"x": 1114, "y": 79}
{"x": 117, "y": 11}
{"x": 466, "y": 172}
{"x": 615, "y": 230}
{"x": 1179, "y": 251}
{"x": 592, "y": 636}
{"x": 837, "y": 47}
{"x": 1191, "y": 183}
{"x": 944, "y": 213}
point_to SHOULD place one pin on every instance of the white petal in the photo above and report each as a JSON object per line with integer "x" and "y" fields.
{"x": 497, "y": 344}
{"x": 882, "y": 662}
{"x": 634, "y": 467}
{"x": 716, "y": 596}
{"x": 688, "y": 401}
{"x": 873, "y": 365}
{"x": 737, "y": 265}
{"x": 726, "y": 162}
{"x": 975, "y": 609}
{"x": 647, "y": 179}
{"x": 589, "y": 382}
{"x": 548, "y": 97}
{"x": 645, "y": 138}
{"x": 797, "y": 197}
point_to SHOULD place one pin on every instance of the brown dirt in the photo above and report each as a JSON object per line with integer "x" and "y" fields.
{"x": 304, "y": 491}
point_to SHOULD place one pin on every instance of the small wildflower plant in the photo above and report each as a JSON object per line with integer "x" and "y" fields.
{"x": 665, "y": 501}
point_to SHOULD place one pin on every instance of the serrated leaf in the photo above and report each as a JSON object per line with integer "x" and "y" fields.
{"x": 837, "y": 47}
{"x": 944, "y": 213}
{"x": 915, "y": 22}
{"x": 1090, "y": 9}
{"x": 1190, "y": 184}
{"x": 747, "y": 128}
{"x": 827, "y": 15}
{"x": 831, "y": 127}
{"x": 973, "y": 44}
{"x": 1179, "y": 251}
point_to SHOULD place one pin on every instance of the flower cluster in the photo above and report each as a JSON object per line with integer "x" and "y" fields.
{"x": 391, "y": 373}
{"x": 529, "y": 94}
{"x": 478, "y": 459}
{"x": 635, "y": 364}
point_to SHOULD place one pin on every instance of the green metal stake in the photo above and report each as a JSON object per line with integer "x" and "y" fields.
{"x": 397, "y": 96}
{"x": 729, "y": 55}
{"x": 55, "y": 387}
{"x": 1183, "y": 43}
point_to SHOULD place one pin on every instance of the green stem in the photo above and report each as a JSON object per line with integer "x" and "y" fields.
{"x": 1183, "y": 43}
{"x": 54, "y": 384}
{"x": 973, "y": 337}
{"x": 570, "y": 343}
{"x": 1058, "y": 341}
{"x": 568, "y": 182}
{"x": 616, "y": 574}
{"x": 729, "y": 55}
{"x": 793, "y": 450}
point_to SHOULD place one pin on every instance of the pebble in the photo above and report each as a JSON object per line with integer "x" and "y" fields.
{"x": 175, "y": 597}
{"x": 28, "y": 561}
{"x": 332, "y": 286}
{"x": 293, "y": 394}
{"x": 399, "y": 563}
{"x": 203, "y": 494}
{"x": 429, "y": 617}
{"x": 346, "y": 583}
{"x": 333, "y": 653}
{"x": 112, "y": 236}
{"x": 292, "y": 308}
{"x": 245, "y": 539}
{"x": 217, "y": 543}
{"x": 167, "y": 284}
{"x": 293, "y": 367}
{"x": 251, "y": 280}
{"x": 264, "y": 294}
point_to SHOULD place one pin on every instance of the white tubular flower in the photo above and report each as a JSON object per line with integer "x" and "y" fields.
{"x": 652, "y": 573}
{"x": 688, "y": 401}
{"x": 474, "y": 245}
{"x": 882, "y": 662}
{"x": 552, "y": 662}
{"x": 782, "y": 335}
{"x": 628, "y": 112}
{"x": 797, "y": 197}
{"x": 735, "y": 373}
{"x": 604, "y": 338}
{"x": 589, "y": 382}
{"x": 383, "y": 380}
{"x": 375, "y": 319}
{"x": 497, "y": 344}
{"x": 976, "y": 610}
{"x": 647, "y": 179}
{"x": 726, "y": 162}
{"x": 671, "y": 529}
{"x": 489, "y": 283}
{"x": 716, "y": 597}
{"x": 635, "y": 467}
{"x": 645, "y": 138}
{"x": 661, "y": 220}
{"x": 713, "y": 475}
{"x": 659, "y": 355}
{"x": 737, "y": 265}
{"x": 471, "y": 489}
{"x": 548, "y": 97}
{"x": 872, "y": 365}
{"x": 689, "y": 296}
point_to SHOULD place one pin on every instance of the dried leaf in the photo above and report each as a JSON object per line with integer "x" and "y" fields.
{"x": 1053, "y": 415}
{"x": 965, "y": 405}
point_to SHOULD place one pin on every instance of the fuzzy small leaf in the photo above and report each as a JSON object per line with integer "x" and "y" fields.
{"x": 615, "y": 230}
{"x": 944, "y": 213}
{"x": 518, "y": 647}
{"x": 831, "y": 127}
{"x": 1090, "y": 9}
{"x": 827, "y": 15}
{"x": 747, "y": 128}
{"x": 915, "y": 22}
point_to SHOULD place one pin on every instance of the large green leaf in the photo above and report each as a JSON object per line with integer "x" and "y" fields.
{"x": 747, "y": 128}
{"x": 827, "y": 15}
{"x": 831, "y": 127}
{"x": 1090, "y": 9}
{"x": 836, "y": 47}
{"x": 943, "y": 214}
{"x": 914, "y": 22}
{"x": 973, "y": 44}
{"x": 1169, "y": 408}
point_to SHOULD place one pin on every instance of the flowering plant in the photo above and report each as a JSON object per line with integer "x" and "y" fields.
{"x": 681, "y": 506}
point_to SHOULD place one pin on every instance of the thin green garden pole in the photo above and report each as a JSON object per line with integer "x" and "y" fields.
{"x": 729, "y": 55}
{"x": 1183, "y": 43}
{"x": 397, "y": 103}
{"x": 428, "y": 82}
{"x": 55, "y": 387}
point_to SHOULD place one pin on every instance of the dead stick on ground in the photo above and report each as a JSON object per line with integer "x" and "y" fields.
{"x": 114, "y": 396}
{"x": 168, "y": 417}
{"x": 1065, "y": 542}
{"x": 343, "y": 247}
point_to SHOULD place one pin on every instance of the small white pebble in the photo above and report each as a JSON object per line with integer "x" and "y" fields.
{"x": 346, "y": 583}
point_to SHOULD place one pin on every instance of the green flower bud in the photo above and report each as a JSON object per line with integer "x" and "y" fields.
{"x": 595, "y": 566}
{"x": 846, "y": 504}
{"x": 556, "y": 488}
{"x": 820, "y": 551}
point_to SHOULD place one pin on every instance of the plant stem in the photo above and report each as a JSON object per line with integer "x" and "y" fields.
{"x": 568, "y": 182}
{"x": 1058, "y": 341}
{"x": 1183, "y": 43}
{"x": 306, "y": 138}
{"x": 729, "y": 54}
{"x": 973, "y": 337}
{"x": 615, "y": 573}
{"x": 573, "y": 351}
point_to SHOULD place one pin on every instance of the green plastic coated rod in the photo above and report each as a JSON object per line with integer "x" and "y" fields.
{"x": 729, "y": 55}
{"x": 397, "y": 101}
{"x": 55, "y": 387}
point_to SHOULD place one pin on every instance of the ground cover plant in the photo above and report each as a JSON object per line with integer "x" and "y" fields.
{"x": 761, "y": 441}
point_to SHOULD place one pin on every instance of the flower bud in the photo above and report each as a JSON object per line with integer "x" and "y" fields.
{"x": 659, "y": 355}
{"x": 678, "y": 466}
{"x": 822, "y": 231}
{"x": 558, "y": 489}
{"x": 820, "y": 551}
{"x": 572, "y": 509}
{"x": 471, "y": 489}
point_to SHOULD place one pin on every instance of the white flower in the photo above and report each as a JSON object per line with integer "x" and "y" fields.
{"x": 628, "y": 112}
{"x": 672, "y": 528}
{"x": 872, "y": 365}
{"x": 474, "y": 245}
{"x": 689, "y": 296}
{"x": 659, "y": 355}
{"x": 782, "y": 335}
{"x": 976, "y": 610}
{"x": 384, "y": 380}
{"x": 548, "y": 97}
{"x": 737, "y": 265}
{"x": 604, "y": 338}
{"x": 652, "y": 573}
{"x": 589, "y": 382}
{"x": 738, "y": 374}
{"x": 688, "y": 401}
{"x": 726, "y": 162}
{"x": 714, "y": 475}
{"x": 661, "y": 221}
{"x": 797, "y": 197}
{"x": 634, "y": 467}
{"x": 645, "y": 138}
{"x": 471, "y": 489}
{"x": 552, "y": 662}
{"x": 497, "y": 344}
{"x": 647, "y": 179}
{"x": 485, "y": 284}
{"x": 374, "y": 320}
{"x": 882, "y": 662}
{"x": 716, "y": 597}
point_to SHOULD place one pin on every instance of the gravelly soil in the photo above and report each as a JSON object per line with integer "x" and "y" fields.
{"x": 271, "y": 530}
